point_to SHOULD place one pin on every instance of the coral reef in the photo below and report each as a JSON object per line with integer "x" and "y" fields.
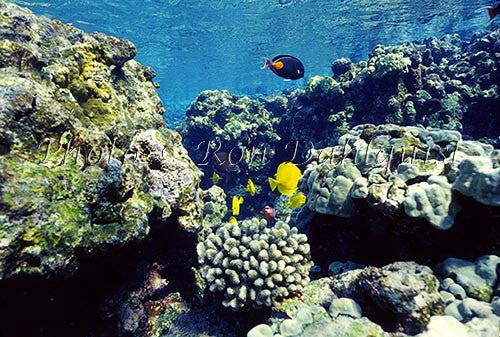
{"x": 447, "y": 326}
{"x": 432, "y": 200}
{"x": 404, "y": 291}
{"x": 313, "y": 320}
{"x": 214, "y": 206}
{"x": 141, "y": 312}
{"x": 328, "y": 188}
{"x": 171, "y": 179}
{"x": 474, "y": 279}
{"x": 479, "y": 179}
{"x": 445, "y": 83}
{"x": 241, "y": 131}
{"x": 376, "y": 298}
{"x": 448, "y": 83}
{"x": 470, "y": 292}
{"x": 227, "y": 118}
{"x": 252, "y": 264}
{"x": 401, "y": 170}
{"x": 218, "y": 121}
{"x": 398, "y": 190}
{"x": 101, "y": 205}
{"x": 205, "y": 320}
{"x": 85, "y": 156}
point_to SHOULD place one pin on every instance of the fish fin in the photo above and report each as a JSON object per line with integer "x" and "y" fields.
{"x": 272, "y": 183}
{"x": 284, "y": 56}
{"x": 266, "y": 64}
{"x": 491, "y": 12}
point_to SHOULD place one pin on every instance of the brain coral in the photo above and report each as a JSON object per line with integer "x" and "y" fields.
{"x": 253, "y": 264}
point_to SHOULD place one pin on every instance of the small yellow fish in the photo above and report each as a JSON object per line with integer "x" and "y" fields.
{"x": 295, "y": 201}
{"x": 286, "y": 178}
{"x": 237, "y": 201}
{"x": 250, "y": 187}
{"x": 215, "y": 178}
{"x": 232, "y": 219}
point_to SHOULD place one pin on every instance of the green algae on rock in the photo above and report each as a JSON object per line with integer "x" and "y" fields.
{"x": 404, "y": 290}
{"x": 140, "y": 312}
{"x": 234, "y": 127}
{"x": 310, "y": 318}
{"x": 238, "y": 127}
{"x": 85, "y": 155}
{"x": 477, "y": 278}
{"x": 222, "y": 117}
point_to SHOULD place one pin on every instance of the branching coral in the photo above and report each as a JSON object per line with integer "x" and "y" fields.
{"x": 253, "y": 264}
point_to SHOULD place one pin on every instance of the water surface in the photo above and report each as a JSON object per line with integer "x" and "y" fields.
{"x": 221, "y": 44}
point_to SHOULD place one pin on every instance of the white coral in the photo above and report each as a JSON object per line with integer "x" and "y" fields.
{"x": 259, "y": 263}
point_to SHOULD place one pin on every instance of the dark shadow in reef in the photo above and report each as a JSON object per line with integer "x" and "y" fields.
{"x": 387, "y": 319}
{"x": 34, "y": 307}
{"x": 374, "y": 239}
{"x": 210, "y": 318}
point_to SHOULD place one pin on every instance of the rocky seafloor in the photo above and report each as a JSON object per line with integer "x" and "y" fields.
{"x": 109, "y": 225}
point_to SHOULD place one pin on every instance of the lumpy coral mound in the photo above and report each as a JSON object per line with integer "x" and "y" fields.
{"x": 395, "y": 168}
{"x": 85, "y": 156}
{"x": 252, "y": 264}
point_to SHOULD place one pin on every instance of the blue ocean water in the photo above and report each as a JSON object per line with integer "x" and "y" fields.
{"x": 221, "y": 44}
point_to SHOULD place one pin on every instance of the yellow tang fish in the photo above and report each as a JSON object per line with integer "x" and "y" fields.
{"x": 215, "y": 178}
{"x": 297, "y": 200}
{"x": 286, "y": 178}
{"x": 232, "y": 219}
{"x": 250, "y": 187}
{"x": 237, "y": 201}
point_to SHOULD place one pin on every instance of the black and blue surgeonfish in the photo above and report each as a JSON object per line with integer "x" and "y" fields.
{"x": 493, "y": 11}
{"x": 286, "y": 66}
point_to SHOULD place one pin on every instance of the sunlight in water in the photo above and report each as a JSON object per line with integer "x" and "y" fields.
{"x": 200, "y": 44}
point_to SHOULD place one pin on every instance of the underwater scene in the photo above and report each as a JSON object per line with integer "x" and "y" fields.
{"x": 253, "y": 168}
